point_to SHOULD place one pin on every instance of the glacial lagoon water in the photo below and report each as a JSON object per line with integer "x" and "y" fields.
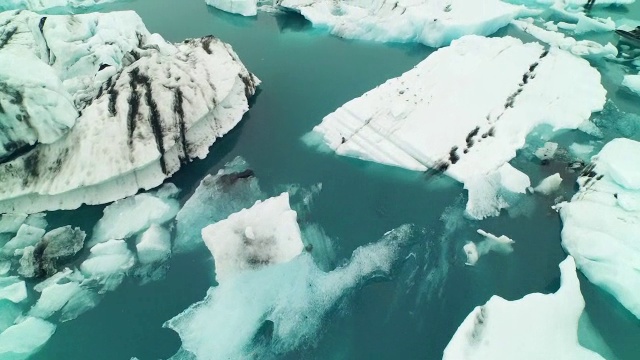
{"x": 306, "y": 74}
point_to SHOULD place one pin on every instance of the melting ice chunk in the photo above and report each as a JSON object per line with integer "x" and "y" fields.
{"x": 601, "y": 223}
{"x": 274, "y": 306}
{"x": 549, "y": 185}
{"x": 13, "y": 289}
{"x": 535, "y": 327}
{"x": 124, "y": 218}
{"x": 25, "y": 338}
{"x": 241, "y": 7}
{"x": 501, "y": 244}
{"x": 265, "y": 234}
{"x": 108, "y": 263}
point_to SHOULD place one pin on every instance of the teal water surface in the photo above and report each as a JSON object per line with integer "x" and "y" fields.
{"x": 307, "y": 74}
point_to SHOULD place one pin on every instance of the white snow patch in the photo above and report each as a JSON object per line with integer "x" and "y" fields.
{"x": 535, "y": 327}
{"x": 416, "y": 121}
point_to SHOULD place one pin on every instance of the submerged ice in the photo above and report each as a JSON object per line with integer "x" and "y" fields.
{"x": 272, "y": 298}
{"x": 416, "y": 121}
{"x": 601, "y": 223}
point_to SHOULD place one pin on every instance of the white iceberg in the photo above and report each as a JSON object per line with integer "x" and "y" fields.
{"x": 19, "y": 341}
{"x": 46, "y": 257}
{"x": 416, "y": 121}
{"x": 27, "y": 236}
{"x": 431, "y": 22}
{"x": 549, "y": 185}
{"x": 500, "y": 244}
{"x": 538, "y": 326}
{"x": 241, "y": 7}
{"x": 632, "y": 82}
{"x": 12, "y": 288}
{"x": 280, "y": 307}
{"x": 127, "y": 217}
{"x": 265, "y": 234}
{"x": 232, "y": 189}
{"x": 585, "y": 48}
{"x": 54, "y": 298}
{"x": 165, "y": 106}
{"x": 153, "y": 245}
{"x": 601, "y": 223}
{"x": 108, "y": 263}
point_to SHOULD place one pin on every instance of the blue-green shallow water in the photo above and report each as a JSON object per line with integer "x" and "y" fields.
{"x": 307, "y": 74}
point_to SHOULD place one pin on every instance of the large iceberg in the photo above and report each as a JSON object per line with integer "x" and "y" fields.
{"x": 21, "y": 340}
{"x": 267, "y": 307}
{"x": 431, "y": 22}
{"x": 538, "y": 326}
{"x": 601, "y": 223}
{"x": 465, "y": 111}
{"x": 147, "y": 106}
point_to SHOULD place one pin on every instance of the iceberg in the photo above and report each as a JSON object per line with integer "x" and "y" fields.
{"x": 632, "y": 82}
{"x": 415, "y": 121}
{"x": 232, "y": 189}
{"x": 153, "y": 245}
{"x": 13, "y": 289}
{"x": 21, "y": 340}
{"x": 549, "y": 185}
{"x": 161, "y": 106}
{"x": 601, "y": 223}
{"x": 240, "y": 7}
{"x": 108, "y": 263}
{"x": 501, "y": 244}
{"x": 265, "y": 234}
{"x": 127, "y": 217}
{"x": 56, "y": 247}
{"x": 585, "y": 48}
{"x": 431, "y": 22}
{"x": 538, "y": 326}
{"x": 277, "y": 308}
{"x": 27, "y": 236}
{"x": 54, "y": 298}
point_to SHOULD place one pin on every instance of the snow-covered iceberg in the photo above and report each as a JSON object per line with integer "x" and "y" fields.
{"x": 431, "y": 22}
{"x": 147, "y": 106}
{"x": 466, "y": 110}
{"x": 272, "y": 297}
{"x": 538, "y": 326}
{"x": 601, "y": 223}
{"x": 265, "y": 234}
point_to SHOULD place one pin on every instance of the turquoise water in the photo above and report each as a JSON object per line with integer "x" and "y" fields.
{"x": 306, "y": 74}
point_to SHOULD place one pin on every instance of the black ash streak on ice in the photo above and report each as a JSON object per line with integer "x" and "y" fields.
{"x": 472, "y": 138}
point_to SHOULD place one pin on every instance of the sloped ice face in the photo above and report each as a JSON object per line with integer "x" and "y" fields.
{"x": 153, "y": 108}
{"x": 240, "y": 7}
{"x": 601, "y": 223}
{"x": 431, "y": 22}
{"x": 537, "y": 326}
{"x": 632, "y": 82}
{"x": 416, "y": 121}
{"x": 271, "y": 307}
{"x": 265, "y": 234}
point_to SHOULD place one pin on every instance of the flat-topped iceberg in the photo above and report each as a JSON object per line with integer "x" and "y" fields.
{"x": 601, "y": 223}
{"x": 465, "y": 111}
{"x": 267, "y": 233}
{"x": 538, "y": 326}
{"x": 431, "y": 22}
{"x": 146, "y": 108}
